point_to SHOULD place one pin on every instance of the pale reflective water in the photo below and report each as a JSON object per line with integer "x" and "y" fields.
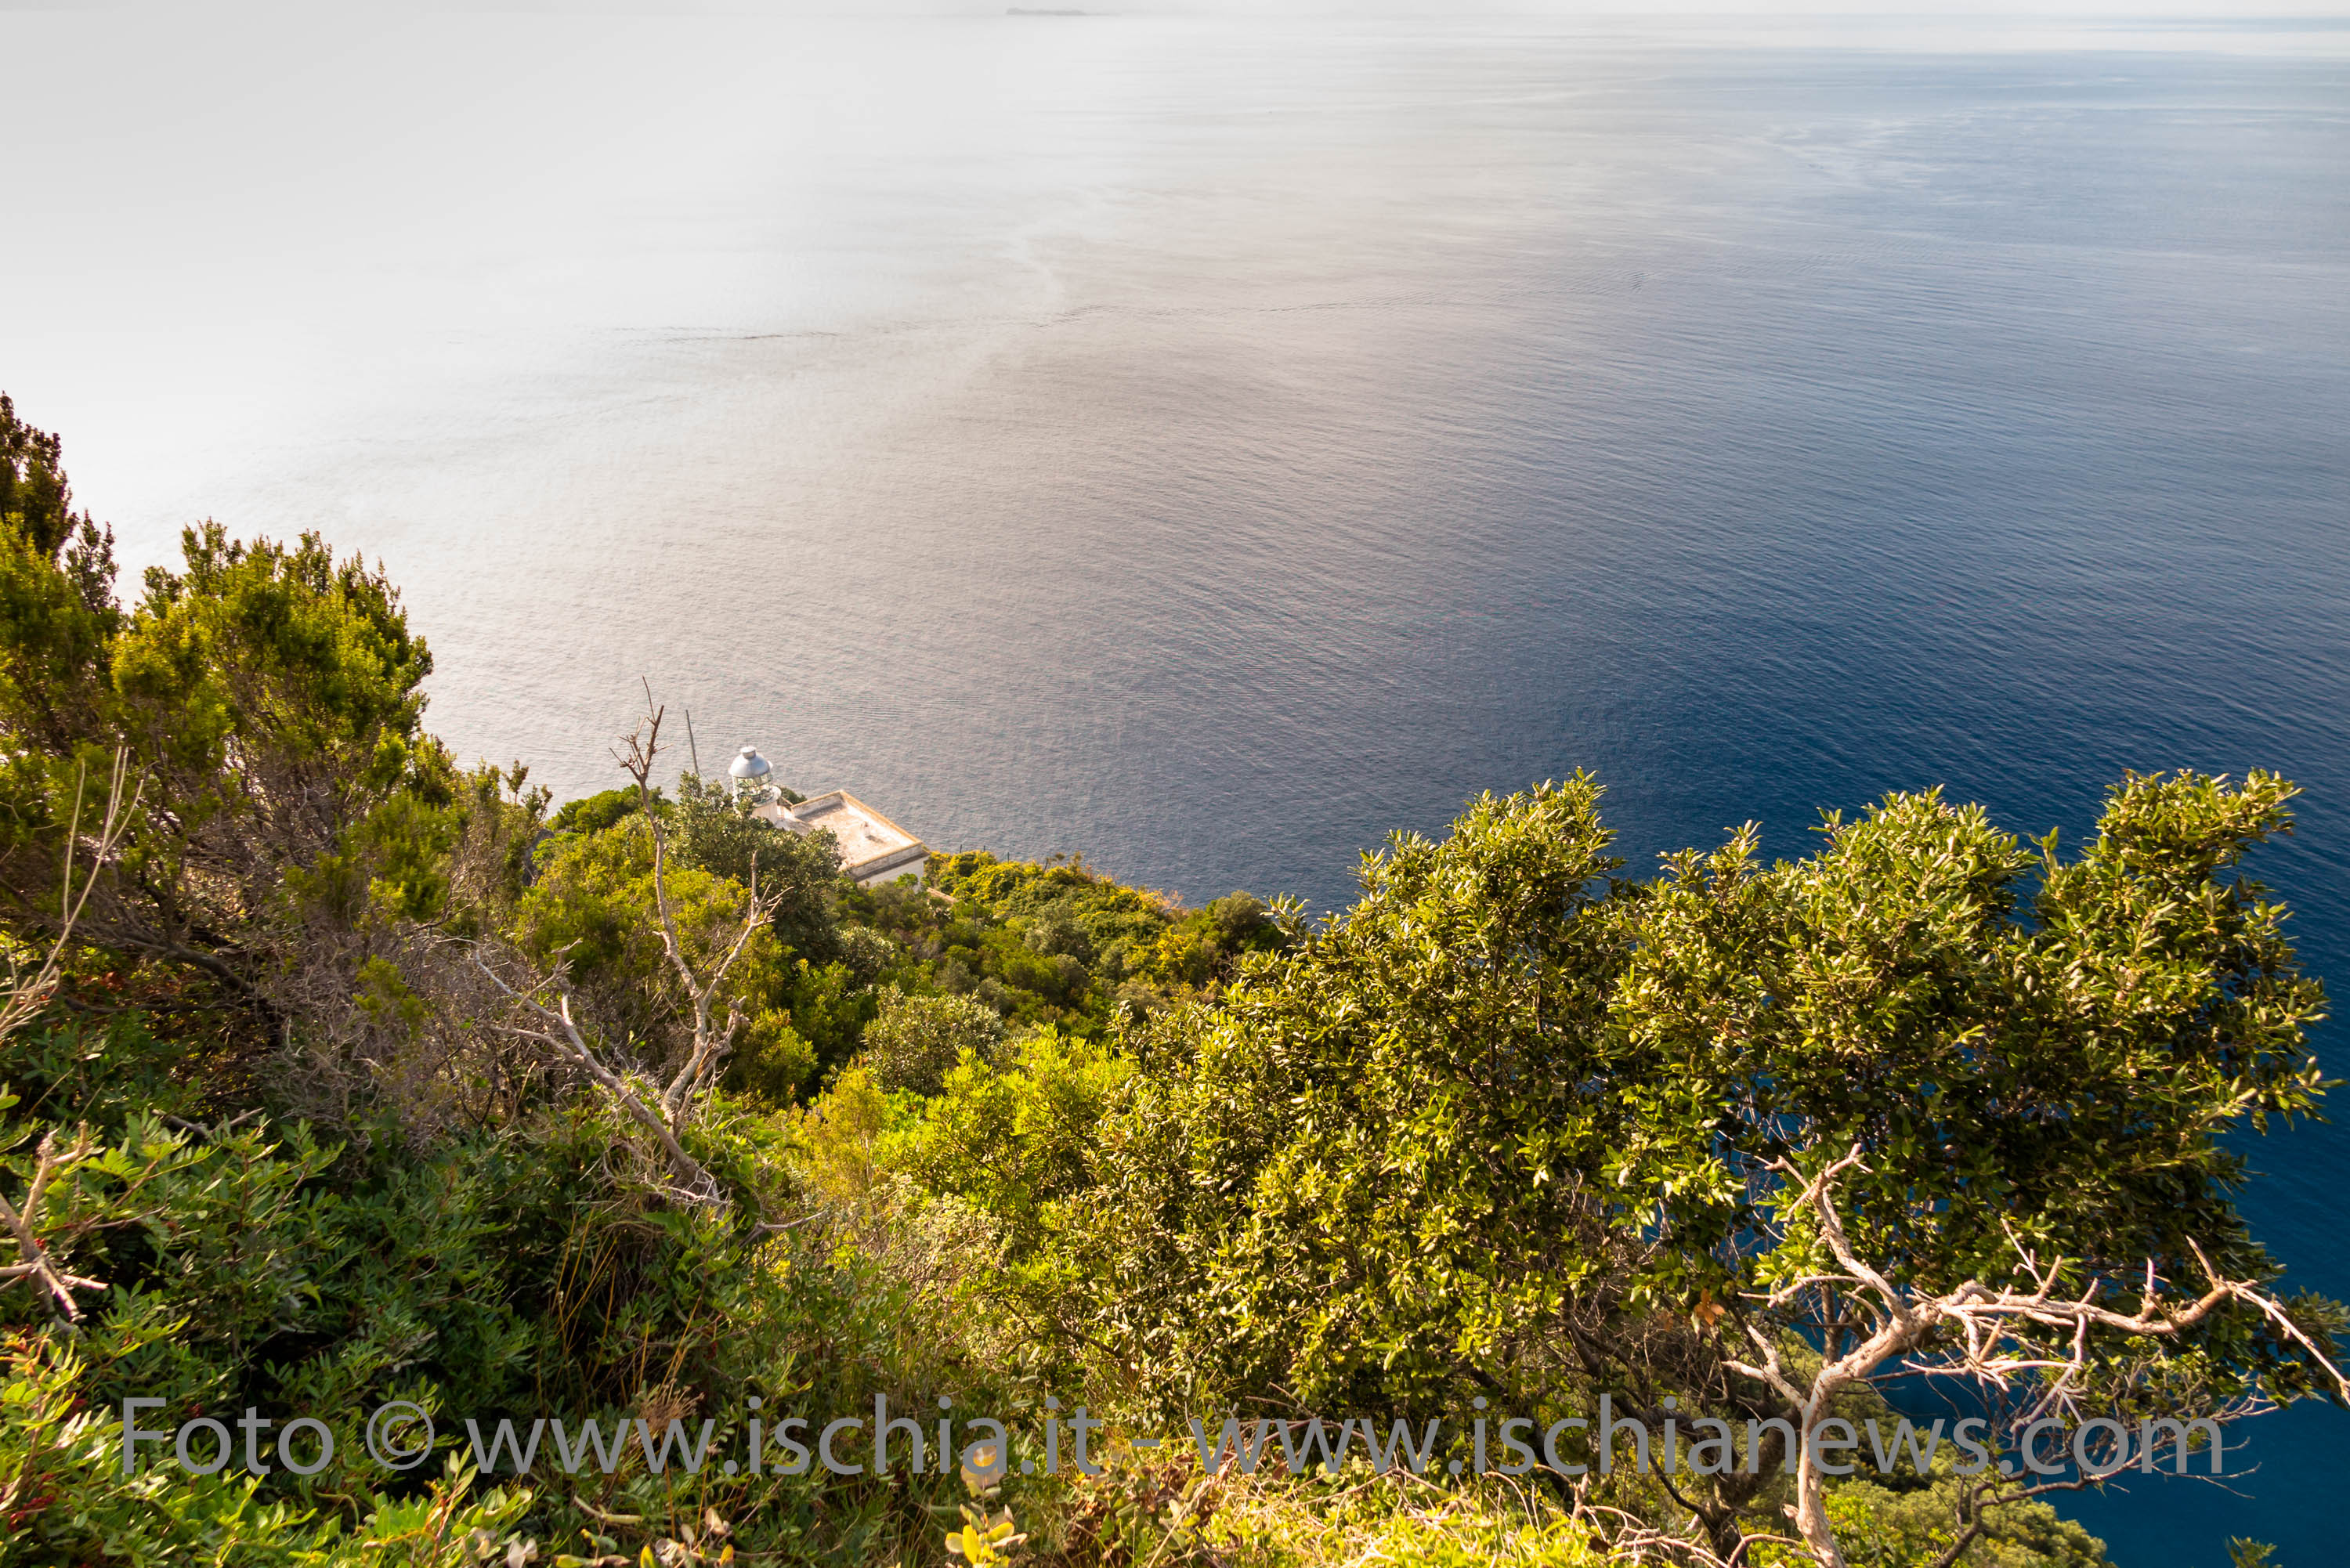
{"x": 1206, "y": 445}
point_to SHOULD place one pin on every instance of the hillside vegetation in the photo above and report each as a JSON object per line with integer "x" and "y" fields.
{"x": 336, "y": 1075}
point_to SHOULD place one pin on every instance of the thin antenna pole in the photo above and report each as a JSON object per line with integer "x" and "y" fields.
{"x": 690, "y": 749}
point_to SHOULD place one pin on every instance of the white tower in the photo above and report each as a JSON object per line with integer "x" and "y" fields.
{"x": 754, "y": 780}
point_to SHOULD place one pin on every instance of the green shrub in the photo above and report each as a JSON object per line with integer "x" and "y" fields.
{"x": 595, "y": 813}
{"x": 914, "y": 1041}
{"x": 1014, "y": 1140}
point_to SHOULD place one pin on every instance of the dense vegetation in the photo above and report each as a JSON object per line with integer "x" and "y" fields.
{"x": 334, "y": 1073}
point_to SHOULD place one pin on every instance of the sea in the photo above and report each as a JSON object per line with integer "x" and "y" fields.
{"x": 1206, "y": 444}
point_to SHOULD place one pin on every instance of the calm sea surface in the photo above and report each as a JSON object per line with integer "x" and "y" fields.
{"x": 1206, "y": 446}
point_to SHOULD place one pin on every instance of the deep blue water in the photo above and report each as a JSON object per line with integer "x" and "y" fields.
{"x": 1208, "y": 445}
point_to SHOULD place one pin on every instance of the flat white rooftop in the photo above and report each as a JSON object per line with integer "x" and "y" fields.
{"x": 872, "y": 847}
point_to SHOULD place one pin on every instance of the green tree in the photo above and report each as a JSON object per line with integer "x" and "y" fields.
{"x": 290, "y": 804}
{"x": 915, "y": 1041}
{"x": 57, "y": 614}
{"x": 1937, "y": 1134}
{"x": 1371, "y": 1160}
{"x": 799, "y": 873}
{"x": 1015, "y": 1140}
{"x": 1757, "y": 1138}
{"x": 592, "y": 909}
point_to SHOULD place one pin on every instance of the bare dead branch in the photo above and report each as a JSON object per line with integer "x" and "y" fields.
{"x": 2031, "y": 1346}
{"x": 26, "y": 996}
{"x": 712, "y": 1039}
{"x": 35, "y": 1261}
{"x": 556, "y": 1029}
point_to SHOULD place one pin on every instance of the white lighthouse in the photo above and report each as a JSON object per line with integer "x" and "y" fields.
{"x": 872, "y": 847}
{"x": 754, "y": 779}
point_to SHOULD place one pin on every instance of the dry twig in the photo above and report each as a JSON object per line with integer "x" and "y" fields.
{"x": 2003, "y": 1340}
